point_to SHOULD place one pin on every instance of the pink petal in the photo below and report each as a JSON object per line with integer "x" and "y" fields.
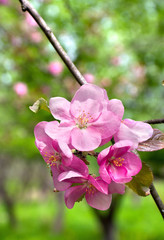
{"x": 73, "y": 194}
{"x": 135, "y": 131}
{"x": 132, "y": 163}
{"x": 104, "y": 173}
{"x": 60, "y": 186}
{"x": 66, "y": 153}
{"x": 79, "y": 166}
{"x": 121, "y": 147}
{"x": 89, "y": 98}
{"x": 85, "y": 139}
{"x": 119, "y": 174}
{"x": 99, "y": 200}
{"x": 90, "y": 107}
{"x": 103, "y": 154}
{"x": 62, "y": 132}
{"x": 69, "y": 174}
{"x": 60, "y": 108}
{"x": 116, "y": 188}
{"x": 99, "y": 184}
{"x": 39, "y": 131}
{"x": 116, "y": 107}
{"x": 107, "y": 124}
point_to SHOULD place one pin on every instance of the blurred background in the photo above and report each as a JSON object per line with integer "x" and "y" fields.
{"x": 116, "y": 44}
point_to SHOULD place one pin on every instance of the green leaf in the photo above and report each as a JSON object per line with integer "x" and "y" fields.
{"x": 41, "y": 103}
{"x": 141, "y": 182}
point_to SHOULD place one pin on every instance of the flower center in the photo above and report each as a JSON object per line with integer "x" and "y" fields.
{"x": 52, "y": 160}
{"x": 90, "y": 189}
{"x": 83, "y": 120}
{"x": 118, "y": 162}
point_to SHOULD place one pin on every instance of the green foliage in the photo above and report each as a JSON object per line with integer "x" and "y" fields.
{"x": 41, "y": 103}
{"x": 141, "y": 182}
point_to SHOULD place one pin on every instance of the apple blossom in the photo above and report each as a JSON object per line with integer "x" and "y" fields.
{"x": 20, "y": 89}
{"x": 117, "y": 163}
{"x": 89, "y": 77}
{"x": 135, "y": 131}
{"x": 85, "y": 121}
{"x": 55, "y": 68}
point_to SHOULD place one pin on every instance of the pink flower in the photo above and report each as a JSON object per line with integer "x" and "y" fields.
{"x": 89, "y": 77}
{"x": 20, "y": 89}
{"x": 36, "y": 37}
{"x": 117, "y": 163}
{"x": 134, "y": 131}
{"x": 30, "y": 20}
{"x": 86, "y": 120}
{"x": 57, "y": 155}
{"x": 4, "y": 2}
{"x": 55, "y": 68}
{"x": 94, "y": 189}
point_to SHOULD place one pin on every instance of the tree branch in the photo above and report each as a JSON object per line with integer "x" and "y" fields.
{"x": 26, "y": 6}
{"x": 155, "y": 121}
{"x": 157, "y": 199}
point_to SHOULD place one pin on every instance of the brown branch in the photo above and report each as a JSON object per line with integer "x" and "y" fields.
{"x": 157, "y": 199}
{"x": 26, "y": 6}
{"x": 155, "y": 121}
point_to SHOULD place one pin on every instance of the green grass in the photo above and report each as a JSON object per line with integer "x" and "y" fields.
{"x": 136, "y": 219}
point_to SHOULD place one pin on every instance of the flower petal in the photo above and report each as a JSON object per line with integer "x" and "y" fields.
{"x": 132, "y": 163}
{"x": 60, "y": 108}
{"x": 107, "y": 124}
{"x": 99, "y": 184}
{"x": 99, "y": 200}
{"x": 104, "y": 173}
{"x": 116, "y": 188}
{"x": 119, "y": 174}
{"x": 73, "y": 194}
{"x": 61, "y": 132}
{"x": 60, "y": 186}
{"x": 85, "y": 139}
{"x": 116, "y": 107}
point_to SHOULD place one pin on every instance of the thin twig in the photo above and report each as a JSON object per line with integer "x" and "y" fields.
{"x": 26, "y": 6}
{"x": 155, "y": 121}
{"x": 157, "y": 199}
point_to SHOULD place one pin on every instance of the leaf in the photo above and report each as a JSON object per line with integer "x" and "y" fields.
{"x": 156, "y": 142}
{"x": 141, "y": 182}
{"x": 41, "y": 103}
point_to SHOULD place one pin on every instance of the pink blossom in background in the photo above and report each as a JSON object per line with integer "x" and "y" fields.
{"x": 55, "y": 68}
{"x": 20, "y": 89}
{"x": 36, "y": 37}
{"x": 135, "y": 131}
{"x": 116, "y": 61}
{"x": 87, "y": 119}
{"x": 30, "y": 21}
{"x": 90, "y": 78}
{"x": 118, "y": 164}
{"x": 139, "y": 71}
{"x": 4, "y": 2}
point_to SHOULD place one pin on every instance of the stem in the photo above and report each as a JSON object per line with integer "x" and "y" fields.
{"x": 26, "y": 6}
{"x": 155, "y": 121}
{"x": 157, "y": 199}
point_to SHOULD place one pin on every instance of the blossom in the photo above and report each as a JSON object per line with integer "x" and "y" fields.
{"x": 86, "y": 120}
{"x": 57, "y": 155}
{"x": 20, "y": 89}
{"x": 117, "y": 163}
{"x": 55, "y": 68}
{"x": 90, "y": 78}
{"x": 94, "y": 189}
{"x": 135, "y": 131}
{"x": 4, "y": 2}
{"x": 30, "y": 20}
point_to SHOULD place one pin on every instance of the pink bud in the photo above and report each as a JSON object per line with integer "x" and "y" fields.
{"x": 20, "y": 89}
{"x": 55, "y": 68}
{"x": 89, "y": 77}
{"x": 30, "y": 21}
{"x": 4, "y": 2}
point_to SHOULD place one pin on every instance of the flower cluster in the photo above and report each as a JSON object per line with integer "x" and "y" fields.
{"x": 90, "y": 120}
